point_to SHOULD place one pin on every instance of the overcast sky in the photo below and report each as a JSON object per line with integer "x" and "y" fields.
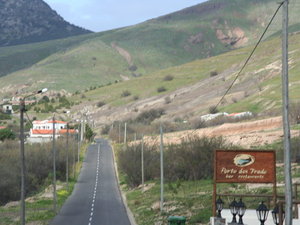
{"x": 100, "y": 15}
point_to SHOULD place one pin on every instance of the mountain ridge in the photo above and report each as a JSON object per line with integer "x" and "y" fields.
{"x": 29, "y": 21}
{"x": 161, "y": 43}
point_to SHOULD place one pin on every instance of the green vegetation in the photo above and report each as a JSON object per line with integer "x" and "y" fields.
{"x": 39, "y": 208}
{"x": 4, "y": 116}
{"x": 186, "y": 196}
{"x": 6, "y": 134}
{"x": 190, "y": 160}
{"x": 98, "y": 59}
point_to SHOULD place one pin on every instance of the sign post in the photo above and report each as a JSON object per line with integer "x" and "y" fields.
{"x": 244, "y": 166}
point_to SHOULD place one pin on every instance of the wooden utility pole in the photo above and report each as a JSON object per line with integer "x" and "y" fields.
{"x": 54, "y": 166}
{"x": 22, "y": 152}
{"x": 161, "y": 170}
{"x": 119, "y": 132}
{"x": 67, "y": 158}
{"x": 142, "y": 163}
{"x": 125, "y": 134}
{"x": 285, "y": 117}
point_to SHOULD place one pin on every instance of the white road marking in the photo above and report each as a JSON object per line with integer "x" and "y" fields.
{"x": 96, "y": 186}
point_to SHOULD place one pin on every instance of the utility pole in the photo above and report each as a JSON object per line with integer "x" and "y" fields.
{"x": 67, "y": 159}
{"x": 125, "y": 134}
{"x": 285, "y": 117}
{"x": 74, "y": 158}
{"x": 82, "y": 130}
{"x": 22, "y": 152}
{"x": 134, "y": 141}
{"x": 142, "y": 159}
{"x": 119, "y": 132}
{"x": 161, "y": 169}
{"x": 54, "y": 166}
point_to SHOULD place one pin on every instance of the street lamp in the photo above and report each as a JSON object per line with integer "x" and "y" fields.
{"x": 262, "y": 213}
{"x": 219, "y": 204}
{"x": 241, "y": 210}
{"x": 276, "y": 215}
{"x": 22, "y": 151}
{"x": 234, "y": 210}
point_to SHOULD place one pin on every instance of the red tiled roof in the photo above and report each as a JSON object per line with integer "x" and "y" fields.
{"x": 42, "y": 131}
{"x": 63, "y": 131}
{"x": 2, "y": 127}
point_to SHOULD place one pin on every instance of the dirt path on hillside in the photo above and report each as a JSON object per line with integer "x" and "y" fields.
{"x": 245, "y": 134}
{"x": 125, "y": 54}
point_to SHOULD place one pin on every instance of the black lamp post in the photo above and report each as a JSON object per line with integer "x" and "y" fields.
{"x": 275, "y": 215}
{"x": 22, "y": 154}
{"x": 219, "y": 204}
{"x": 241, "y": 210}
{"x": 234, "y": 210}
{"x": 262, "y": 213}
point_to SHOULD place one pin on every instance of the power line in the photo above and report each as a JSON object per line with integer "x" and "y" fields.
{"x": 246, "y": 62}
{"x": 249, "y": 57}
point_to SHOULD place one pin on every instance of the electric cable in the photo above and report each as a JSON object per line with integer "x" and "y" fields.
{"x": 243, "y": 67}
{"x": 249, "y": 57}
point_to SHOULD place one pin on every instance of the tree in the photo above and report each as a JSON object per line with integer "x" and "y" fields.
{"x": 6, "y": 134}
{"x": 89, "y": 134}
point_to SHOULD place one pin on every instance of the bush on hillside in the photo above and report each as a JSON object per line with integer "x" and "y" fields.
{"x": 4, "y": 116}
{"x": 161, "y": 89}
{"x": 148, "y": 116}
{"x": 125, "y": 93}
{"x": 190, "y": 160}
{"x": 6, "y": 134}
{"x": 213, "y": 73}
{"x": 38, "y": 167}
{"x": 100, "y": 104}
{"x": 168, "y": 78}
{"x": 213, "y": 110}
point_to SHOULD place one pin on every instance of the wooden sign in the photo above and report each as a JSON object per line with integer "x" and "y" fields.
{"x": 245, "y": 166}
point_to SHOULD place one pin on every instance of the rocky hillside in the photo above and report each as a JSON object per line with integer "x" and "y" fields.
{"x": 97, "y": 59}
{"x": 28, "y": 21}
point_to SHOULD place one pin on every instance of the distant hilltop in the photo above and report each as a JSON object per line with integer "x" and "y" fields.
{"x": 28, "y": 21}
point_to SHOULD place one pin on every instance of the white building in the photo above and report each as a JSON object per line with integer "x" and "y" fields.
{"x": 42, "y": 131}
{"x": 7, "y": 108}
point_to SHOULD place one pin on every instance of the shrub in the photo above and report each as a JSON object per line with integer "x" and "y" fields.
{"x": 133, "y": 68}
{"x": 147, "y": 117}
{"x": 105, "y": 129}
{"x": 89, "y": 133}
{"x": 295, "y": 112}
{"x": 100, "y": 104}
{"x": 168, "y": 78}
{"x": 44, "y": 99}
{"x": 192, "y": 159}
{"x": 213, "y": 73}
{"x": 4, "y": 116}
{"x": 38, "y": 167}
{"x": 136, "y": 97}
{"x": 213, "y": 110}
{"x": 161, "y": 89}
{"x": 168, "y": 100}
{"x": 125, "y": 93}
{"x": 6, "y": 134}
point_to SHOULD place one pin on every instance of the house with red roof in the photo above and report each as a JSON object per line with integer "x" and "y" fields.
{"x": 42, "y": 131}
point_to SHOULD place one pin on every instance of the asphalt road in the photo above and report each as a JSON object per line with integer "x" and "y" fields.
{"x": 96, "y": 199}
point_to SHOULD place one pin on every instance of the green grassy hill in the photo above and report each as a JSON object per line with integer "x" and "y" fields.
{"x": 202, "y": 31}
{"x": 193, "y": 88}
